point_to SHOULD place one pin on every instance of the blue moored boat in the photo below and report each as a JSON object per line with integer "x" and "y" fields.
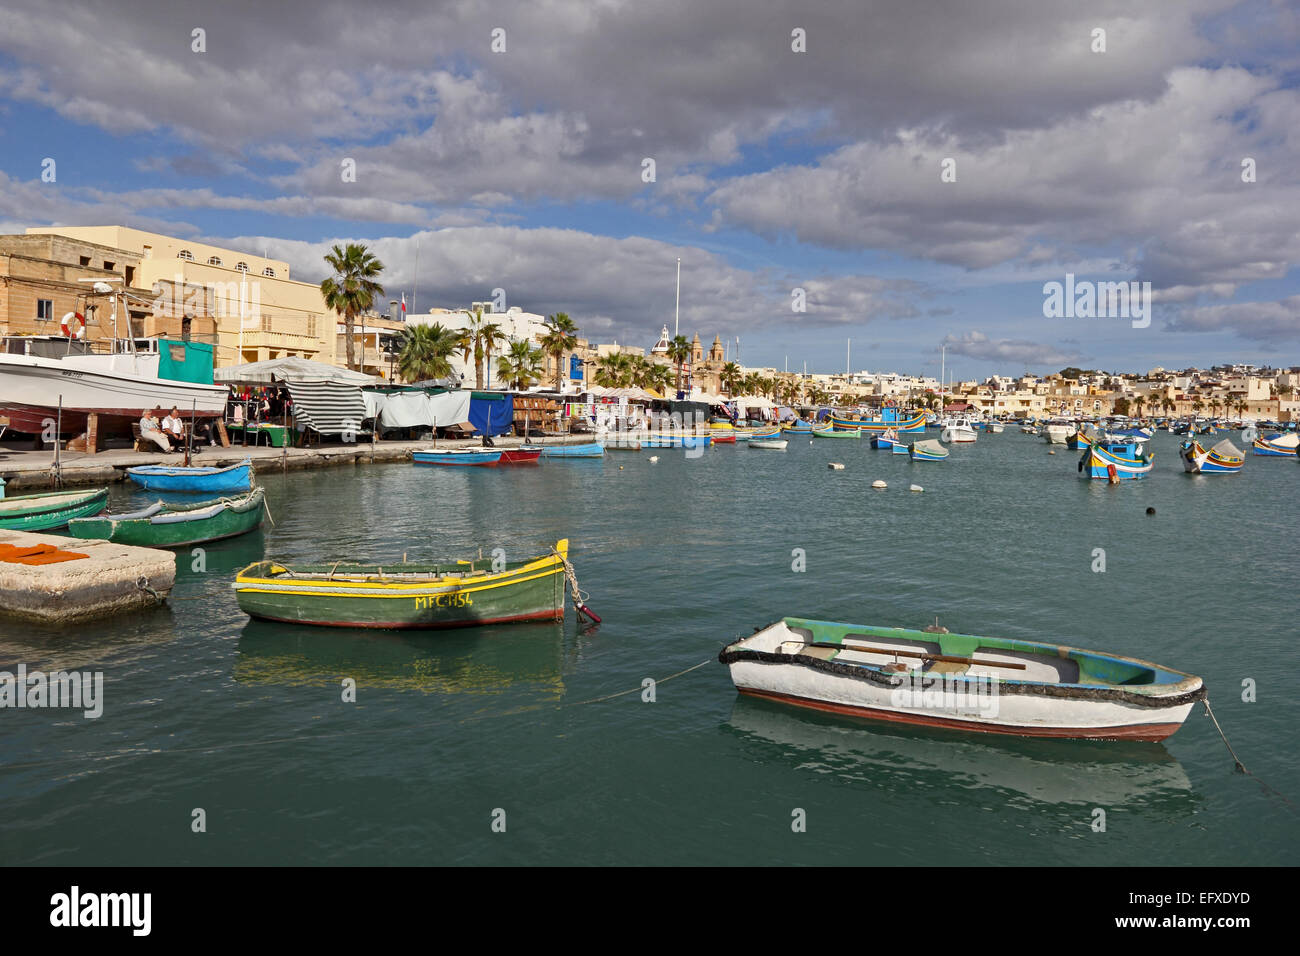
{"x": 1277, "y": 446}
{"x": 928, "y": 450}
{"x": 196, "y": 479}
{"x": 473, "y": 457}
{"x": 799, "y": 427}
{"x": 885, "y": 440}
{"x": 590, "y": 450}
{"x": 1110, "y": 459}
{"x": 1223, "y": 459}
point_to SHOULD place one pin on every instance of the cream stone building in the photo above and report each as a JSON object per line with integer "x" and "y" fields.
{"x": 248, "y": 305}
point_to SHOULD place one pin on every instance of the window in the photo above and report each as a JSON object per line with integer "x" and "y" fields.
{"x": 84, "y": 260}
{"x": 311, "y": 326}
{"x": 186, "y": 255}
{"x": 44, "y": 310}
{"x": 109, "y": 265}
{"x": 215, "y": 261}
{"x": 268, "y": 271}
{"x": 241, "y": 266}
{"x": 266, "y": 323}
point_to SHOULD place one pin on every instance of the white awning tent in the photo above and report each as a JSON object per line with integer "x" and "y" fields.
{"x": 290, "y": 370}
{"x": 754, "y": 403}
{"x": 412, "y": 408}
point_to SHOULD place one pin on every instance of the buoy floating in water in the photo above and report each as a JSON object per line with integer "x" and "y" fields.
{"x": 879, "y": 484}
{"x": 835, "y": 466}
{"x": 916, "y": 488}
{"x": 1151, "y": 511}
{"x": 654, "y": 457}
{"x": 1052, "y": 452}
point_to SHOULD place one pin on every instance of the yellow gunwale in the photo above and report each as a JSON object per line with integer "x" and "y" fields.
{"x": 480, "y": 581}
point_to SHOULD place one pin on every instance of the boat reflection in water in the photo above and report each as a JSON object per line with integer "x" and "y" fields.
{"x": 1111, "y": 773}
{"x": 485, "y": 661}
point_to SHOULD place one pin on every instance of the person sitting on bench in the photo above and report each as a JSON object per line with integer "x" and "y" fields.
{"x": 150, "y": 430}
{"x": 173, "y": 427}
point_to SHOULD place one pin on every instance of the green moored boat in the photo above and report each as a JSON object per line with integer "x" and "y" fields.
{"x": 401, "y": 595}
{"x": 834, "y": 433}
{"x": 51, "y": 510}
{"x": 171, "y": 526}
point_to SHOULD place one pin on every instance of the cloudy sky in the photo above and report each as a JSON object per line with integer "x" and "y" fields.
{"x": 509, "y": 142}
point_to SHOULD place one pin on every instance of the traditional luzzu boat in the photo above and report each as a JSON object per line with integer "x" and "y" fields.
{"x": 171, "y": 526}
{"x": 928, "y": 450}
{"x": 1224, "y": 458}
{"x": 961, "y": 681}
{"x": 462, "y": 457}
{"x": 586, "y": 450}
{"x": 766, "y": 434}
{"x": 51, "y": 510}
{"x": 401, "y": 595}
{"x": 1109, "y": 459}
{"x": 799, "y": 427}
{"x": 194, "y": 479}
{"x": 886, "y": 439}
{"x": 891, "y": 417}
{"x": 1277, "y": 445}
{"x": 836, "y": 433}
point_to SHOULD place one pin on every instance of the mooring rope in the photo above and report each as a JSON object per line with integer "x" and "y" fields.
{"x": 579, "y": 596}
{"x": 298, "y": 738}
{"x": 1239, "y": 766}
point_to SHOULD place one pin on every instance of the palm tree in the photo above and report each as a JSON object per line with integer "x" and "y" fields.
{"x": 730, "y": 376}
{"x": 352, "y": 289}
{"x": 658, "y": 376}
{"x": 426, "y": 351}
{"x": 679, "y": 351}
{"x": 493, "y": 335}
{"x": 561, "y": 336}
{"x": 521, "y": 365}
{"x": 484, "y": 336}
{"x": 612, "y": 370}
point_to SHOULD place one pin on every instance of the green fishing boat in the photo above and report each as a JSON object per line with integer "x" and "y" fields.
{"x": 402, "y": 595}
{"x": 51, "y": 510}
{"x": 833, "y": 433}
{"x": 171, "y": 526}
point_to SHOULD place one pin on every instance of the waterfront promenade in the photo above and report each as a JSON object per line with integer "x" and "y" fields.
{"x": 25, "y": 471}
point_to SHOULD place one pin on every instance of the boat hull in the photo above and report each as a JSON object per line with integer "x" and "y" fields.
{"x": 809, "y": 664}
{"x": 118, "y": 398}
{"x": 591, "y": 450}
{"x": 1098, "y": 462}
{"x": 47, "y": 511}
{"x": 194, "y": 480}
{"x": 913, "y": 425}
{"x": 521, "y": 456}
{"x": 462, "y": 459}
{"x": 532, "y": 591}
{"x": 165, "y": 531}
{"x": 836, "y": 433}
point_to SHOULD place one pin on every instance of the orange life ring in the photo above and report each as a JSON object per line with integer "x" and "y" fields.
{"x": 76, "y": 317}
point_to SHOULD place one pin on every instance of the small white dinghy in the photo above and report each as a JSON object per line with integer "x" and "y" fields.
{"x": 937, "y": 679}
{"x": 770, "y": 444}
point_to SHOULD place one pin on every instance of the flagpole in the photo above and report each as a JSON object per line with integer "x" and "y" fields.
{"x": 677, "y": 309}
{"x": 415, "y": 281}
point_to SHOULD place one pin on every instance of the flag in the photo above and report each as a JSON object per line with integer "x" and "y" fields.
{"x": 403, "y": 303}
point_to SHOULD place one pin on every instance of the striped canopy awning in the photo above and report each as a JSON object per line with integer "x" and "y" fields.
{"x": 329, "y": 408}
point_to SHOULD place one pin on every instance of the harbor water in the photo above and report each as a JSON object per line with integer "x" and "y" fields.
{"x": 546, "y": 744}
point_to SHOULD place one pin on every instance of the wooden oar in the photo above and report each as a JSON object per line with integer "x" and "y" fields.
{"x": 920, "y": 654}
